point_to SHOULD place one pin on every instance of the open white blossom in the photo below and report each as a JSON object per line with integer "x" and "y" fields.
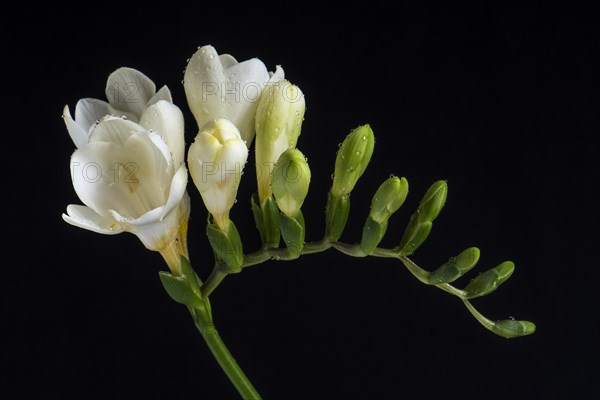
{"x": 216, "y": 159}
{"x": 217, "y": 86}
{"x": 128, "y": 180}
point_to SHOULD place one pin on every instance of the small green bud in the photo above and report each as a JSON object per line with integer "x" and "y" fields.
{"x": 433, "y": 201}
{"x": 388, "y": 198}
{"x": 336, "y": 216}
{"x": 455, "y": 267}
{"x": 429, "y": 208}
{"x": 373, "y": 232}
{"x": 352, "y": 160}
{"x": 410, "y": 243}
{"x": 292, "y": 230}
{"x": 510, "y": 328}
{"x": 226, "y": 245}
{"x": 490, "y": 280}
{"x": 291, "y": 177}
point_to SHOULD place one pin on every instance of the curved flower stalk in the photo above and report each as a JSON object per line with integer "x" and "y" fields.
{"x": 218, "y": 86}
{"x": 127, "y": 178}
{"x": 129, "y": 93}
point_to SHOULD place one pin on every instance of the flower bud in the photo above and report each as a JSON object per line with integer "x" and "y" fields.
{"x": 490, "y": 280}
{"x": 432, "y": 203}
{"x": 352, "y": 160}
{"x": 216, "y": 159}
{"x": 455, "y": 267}
{"x": 388, "y": 198}
{"x": 291, "y": 177}
{"x": 278, "y": 124}
{"x": 511, "y": 328}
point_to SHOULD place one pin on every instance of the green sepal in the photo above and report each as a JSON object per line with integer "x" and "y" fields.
{"x": 415, "y": 235}
{"x": 292, "y": 230}
{"x": 180, "y": 290}
{"x": 372, "y": 234}
{"x": 226, "y": 245}
{"x": 510, "y": 328}
{"x": 336, "y": 215}
{"x": 489, "y": 281}
{"x": 271, "y": 223}
{"x": 455, "y": 267}
{"x": 258, "y": 217}
{"x": 192, "y": 279}
{"x": 266, "y": 217}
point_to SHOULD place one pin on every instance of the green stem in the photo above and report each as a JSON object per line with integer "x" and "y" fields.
{"x": 224, "y": 357}
{"x": 214, "y": 279}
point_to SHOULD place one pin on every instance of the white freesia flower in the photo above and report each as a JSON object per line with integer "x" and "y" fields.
{"x": 216, "y": 159}
{"x": 129, "y": 93}
{"x": 217, "y": 86}
{"x": 128, "y": 180}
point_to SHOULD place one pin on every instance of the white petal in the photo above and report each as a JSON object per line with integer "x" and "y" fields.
{"x": 163, "y": 94}
{"x": 204, "y": 80}
{"x": 234, "y": 155}
{"x": 227, "y": 60}
{"x": 146, "y": 218}
{"x": 89, "y": 111}
{"x": 129, "y": 90}
{"x": 77, "y": 133}
{"x": 276, "y": 76}
{"x": 177, "y": 190}
{"x": 114, "y": 130}
{"x": 167, "y": 120}
{"x": 86, "y": 218}
{"x": 249, "y": 78}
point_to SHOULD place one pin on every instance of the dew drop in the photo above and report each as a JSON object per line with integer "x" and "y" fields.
{"x": 331, "y": 176}
{"x": 339, "y": 145}
{"x": 392, "y": 175}
{"x": 511, "y": 318}
{"x": 212, "y": 56}
{"x": 235, "y": 201}
{"x": 364, "y": 138}
{"x": 358, "y": 153}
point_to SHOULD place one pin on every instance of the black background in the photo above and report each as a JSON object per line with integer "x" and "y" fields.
{"x": 499, "y": 101}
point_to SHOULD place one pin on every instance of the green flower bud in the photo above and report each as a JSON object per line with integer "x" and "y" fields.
{"x": 489, "y": 281}
{"x": 226, "y": 245}
{"x": 278, "y": 124}
{"x": 433, "y": 201}
{"x": 510, "y": 328}
{"x": 388, "y": 198}
{"x": 352, "y": 160}
{"x": 455, "y": 267}
{"x": 429, "y": 208}
{"x": 291, "y": 177}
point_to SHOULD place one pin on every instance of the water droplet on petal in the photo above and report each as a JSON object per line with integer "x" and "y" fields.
{"x": 392, "y": 175}
{"x": 212, "y": 56}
